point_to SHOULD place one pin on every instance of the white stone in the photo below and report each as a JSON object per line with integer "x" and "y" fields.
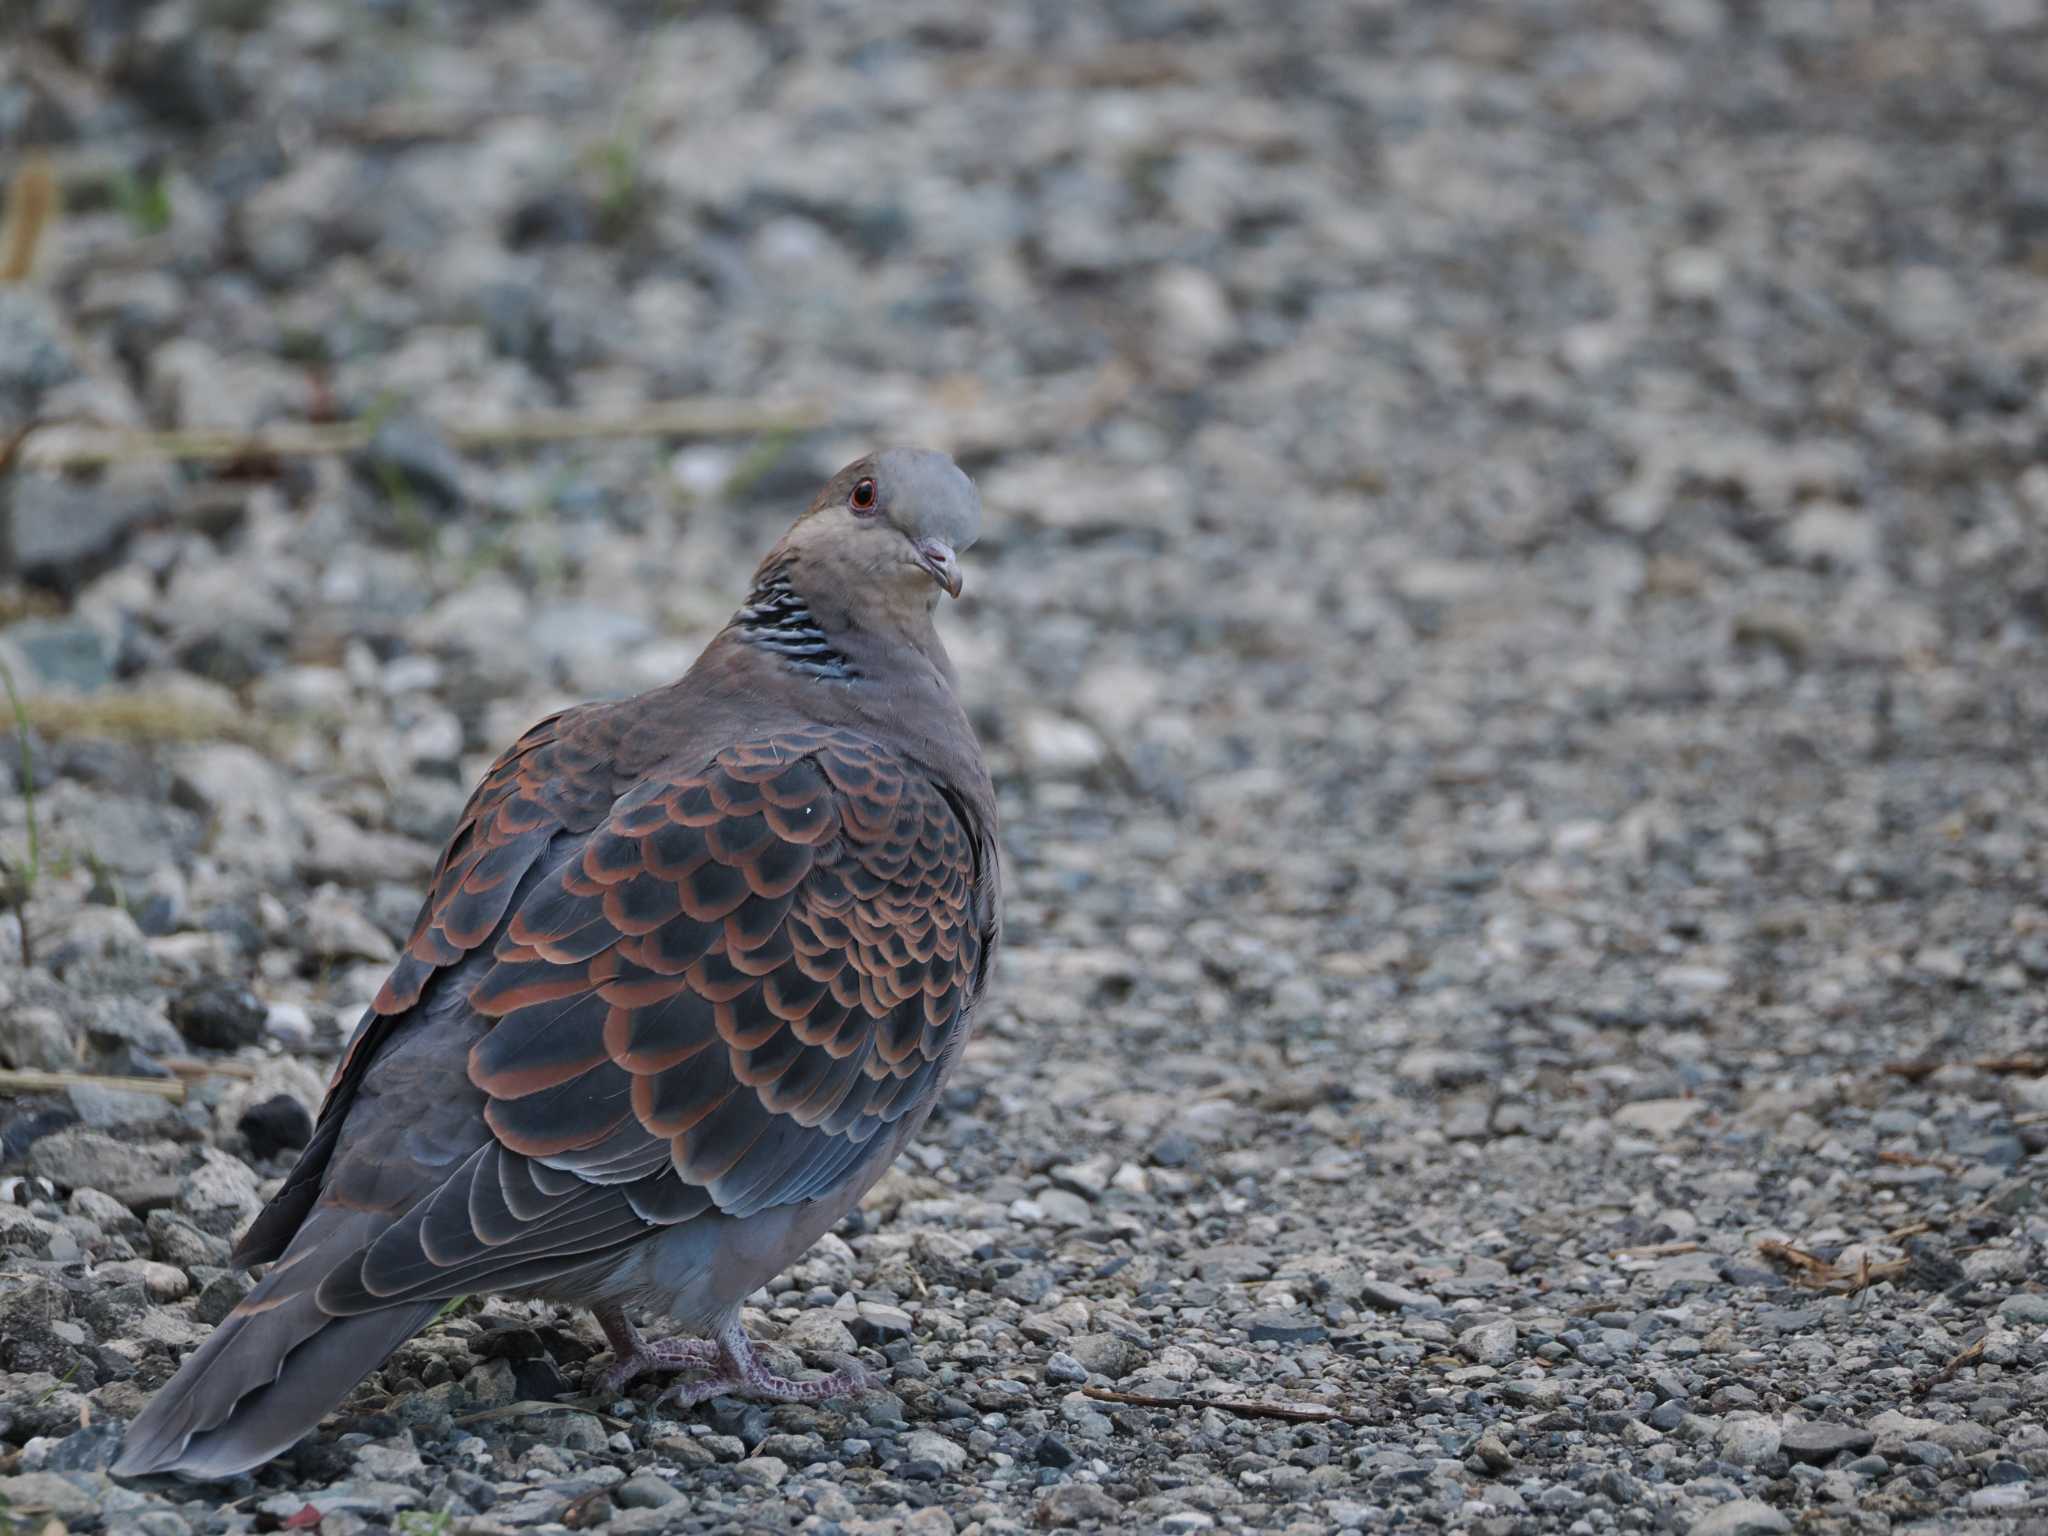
{"x": 925, "y": 1445}
{"x": 1057, "y": 745}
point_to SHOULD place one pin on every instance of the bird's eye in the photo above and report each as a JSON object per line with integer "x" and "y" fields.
{"x": 863, "y": 498}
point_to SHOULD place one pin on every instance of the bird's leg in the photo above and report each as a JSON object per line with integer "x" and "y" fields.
{"x": 634, "y": 1357}
{"x": 739, "y": 1370}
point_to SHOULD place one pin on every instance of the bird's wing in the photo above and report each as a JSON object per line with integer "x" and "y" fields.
{"x": 713, "y": 997}
{"x": 558, "y": 780}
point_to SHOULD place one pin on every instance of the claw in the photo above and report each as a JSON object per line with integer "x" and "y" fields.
{"x": 688, "y": 1394}
{"x": 731, "y": 1363}
{"x": 662, "y": 1355}
{"x": 636, "y": 1357}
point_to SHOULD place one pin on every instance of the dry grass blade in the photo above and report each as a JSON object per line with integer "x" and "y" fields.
{"x": 1914, "y": 1071}
{"x": 1243, "y": 1408}
{"x": 685, "y": 418}
{"x": 146, "y": 717}
{"x": 1917, "y": 1160}
{"x": 30, "y": 207}
{"x": 1795, "y": 1258}
{"x": 535, "y": 1406}
{"x": 193, "y": 1066}
{"x": 32, "y": 1080}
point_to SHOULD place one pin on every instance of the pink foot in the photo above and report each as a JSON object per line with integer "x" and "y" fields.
{"x": 662, "y": 1355}
{"x": 635, "y": 1357}
{"x": 740, "y": 1371}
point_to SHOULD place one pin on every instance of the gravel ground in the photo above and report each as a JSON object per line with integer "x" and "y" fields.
{"x": 1514, "y": 647}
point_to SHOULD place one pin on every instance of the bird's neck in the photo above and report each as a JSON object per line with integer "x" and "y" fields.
{"x": 806, "y": 626}
{"x": 779, "y": 621}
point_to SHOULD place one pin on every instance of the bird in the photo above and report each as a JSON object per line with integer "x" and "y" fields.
{"x": 692, "y": 970}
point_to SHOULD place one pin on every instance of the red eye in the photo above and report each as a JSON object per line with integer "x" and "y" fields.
{"x": 863, "y": 498}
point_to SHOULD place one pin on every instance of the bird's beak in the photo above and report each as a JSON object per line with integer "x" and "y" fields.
{"x": 937, "y": 556}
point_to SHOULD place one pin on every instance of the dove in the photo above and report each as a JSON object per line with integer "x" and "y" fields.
{"x": 693, "y": 968}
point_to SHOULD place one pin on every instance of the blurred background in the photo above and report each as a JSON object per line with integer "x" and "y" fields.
{"x": 1513, "y": 634}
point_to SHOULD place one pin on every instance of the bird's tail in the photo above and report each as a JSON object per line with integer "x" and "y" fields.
{"x": 272, "y": 1370}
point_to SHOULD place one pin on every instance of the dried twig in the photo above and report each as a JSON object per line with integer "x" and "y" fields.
{"x": 32, "y": 1080}
{"x": 1969, "y": 1355}
{"x": 1918, "y": 1160}
{"x": 587, "y": 1510}
{"x": 1818, "y": 1274}
{"x": 1654, "y": 1251}
{"x": 1796, "y": 1258}
{"x": 30, "y": 206}
{"x": 535, "y": 1406}
{"x": 690, "y": 418}
{"x": 19, "y": 885}
{"x": 198, "y": 1066}
{"x": 1914, "y": 1071}
{"x": 1244, "y": 1408}
{"x": 10, "y": 448}
{"x": 182, "y": 1069}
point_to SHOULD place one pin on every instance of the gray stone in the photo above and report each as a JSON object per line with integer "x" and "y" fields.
{"x": 30, "y": 1306}
{"x": 104, "y": 1212}
{"x": 1821, "y": 1443}
{"x": 1743, "y": 1517}
{"x": 176, "y": 1240}
{"x": 1063, "y": 1208}
{"x": 35, "y": 1036}
{"x": 219, "y": 1195}
{"x": 242, "y": 796}
{"x": 1788, "y": 1319}
{"x": 53, "y": 1495}
{"x": 333, "y": 927}
{"x": 1285, "y": 1328}
{"x": 94, "y": 934}
{"x": 1389, "y": 1297}
{"x": 90, "y": 1449}
{"x": 1108, "y": 1354}
{"x": 139, "y": 1174}
{"x": 2029, "y": 1307}
{"x": 36, "y": 353}
{"x": 408, "y": 458}
{"x": 2003, "y": 1496}
{"x": 62, "y": 531}
{"x": 277, "y": 1124}
{"x": 69, "y": 654}
{"x": 820, "y": 1332}
{"x": 1084, "y": 1506}
{"x": 1489, "y": 1343}
{"x": 1747, "y": 1440}
{"x": 1063, "y": 1368}
{"x": 924, "y": 1445}
{"x": 1659, "y": 1117}
{"x": 219, "y": 1296}
{"x": 876, "y": 1322}
{"x": 218, "y": 1015}
{"x": 762, "y": 1471}
{"x": 571, "y": 635}
{"x": 289, "y": 1025}
{"x": 354, "y": 1497}
{"x": 646, "y": 1491}
{"x": 112, "y": 1109}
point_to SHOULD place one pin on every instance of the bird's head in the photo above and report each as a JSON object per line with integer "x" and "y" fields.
{"x": 893, "y": 524}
